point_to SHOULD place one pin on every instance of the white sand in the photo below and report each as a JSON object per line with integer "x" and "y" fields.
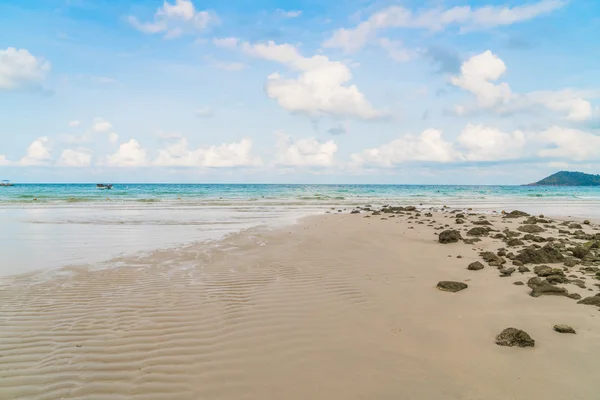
{"x": 337, "y": 307}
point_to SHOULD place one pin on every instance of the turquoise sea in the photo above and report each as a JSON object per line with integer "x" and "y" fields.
{"x": 51, "y": 225}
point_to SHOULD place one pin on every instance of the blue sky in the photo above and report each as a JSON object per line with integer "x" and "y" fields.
{"x": 482, "y": 92}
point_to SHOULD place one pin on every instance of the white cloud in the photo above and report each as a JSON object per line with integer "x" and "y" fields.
{"x": 320, "y": 89}
{"x": 396, "y": 50}
{"x": 178, "y": 154}
{"x": 558, "y": 164}
{"x": 483, "y": 143}
{"x": 429, "y": 146}
{"x": 100, "y": 125}
{"x": 74, "y": 123}
{"x": 129, "y": 154}
{"x": 479, "y": 74}
{"x": 289, "y": 14}
{"x": 570, "y": 144}
{"x": 113, "y": 138}
{"x": 307, "y": 152}
{"x": 75, "y": 158}
{"x": 227, "y": 43}
{"x": 4, "y": 161}
{"x": 19, "y": 69}
{"x": 38, "y": 152}
{"x": 437, "y": 19}
{"x": 175, "y": 19}
{"x": 205, "y": 112}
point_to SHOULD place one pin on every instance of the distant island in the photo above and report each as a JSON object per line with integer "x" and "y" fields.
{"x": 567, "y": 178}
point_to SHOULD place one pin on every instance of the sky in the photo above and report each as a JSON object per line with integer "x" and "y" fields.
{"x": 303, "y": 91}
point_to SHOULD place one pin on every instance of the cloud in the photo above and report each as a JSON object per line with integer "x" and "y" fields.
{"x": 178, "y": 154}
{"x": 341, "y": 129}
{"x": 227, "y": 43}
{"x": 4, "y": 161}
{"x": 175, "y": 19}
{"x": 38, "y": 153}
{"x": 104, "y": 80}
{"x": 204, "y": 112}
{"x": 75, "y": 158}
{"x": 396, "y": 50}
{"x": 20, "y": 69}
{"x": 74, "y": 123}
{"x": 113, "y": 138}
{"x": 429, "y": 146}
{"x": 447, "y": 60}
{"x": 100, "y": 125}
{"x": 479, "y": 74}
{"x": 129, "y": 154}
{"x": 321, "y": 88}
{"x": 481, "y": 143}
{"x": 289, "y": 14}
{"x": 570, "y": 144}
{"x": 438, "y": 19}
{"x": 307, "y": 152}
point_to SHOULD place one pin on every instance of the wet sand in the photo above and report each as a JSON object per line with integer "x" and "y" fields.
{"x": 335, "y": 307}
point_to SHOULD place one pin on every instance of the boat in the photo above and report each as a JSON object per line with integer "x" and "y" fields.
{"x": 103, "y": 186}
{"x": 6, "y": 183}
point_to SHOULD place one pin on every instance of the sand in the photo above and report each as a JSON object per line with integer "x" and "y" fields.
{"x": 335, "y": 307}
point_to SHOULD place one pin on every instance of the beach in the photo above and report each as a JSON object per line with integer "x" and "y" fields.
{"x": 337, "y": 305}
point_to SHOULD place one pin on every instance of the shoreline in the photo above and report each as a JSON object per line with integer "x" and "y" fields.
{"x": 335, "y": 306}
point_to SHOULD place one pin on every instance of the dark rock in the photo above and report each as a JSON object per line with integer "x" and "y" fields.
{"x": 586, "y": 222}
{"x": 591, "y": 301}
{"x": 574, "y": 296}
{"x": 501, "y": 253}
{"x": 460, "y": 215}
{"x": 571, "y": 262}
{"x": 518, "y": 283}
{"x": 376, "y": 213}
{"x": 355, "y": 212}
{"x": 490, "y": 257}
{"x": 531, "y": 229}
{"x": 564, "y": 232}
{"x": 499, "y": 236}
{"x": 472, "y": 241}
{"x": 482, "y": 222}
{"x": 523, "y": 269}
{"x": 450, "y": 236}
{"x": 564, "y": 329}
{"x": 449, "y": 286}
{"x": 507, "y": 272}
{"x": 542, "y": 270}
{"x": 580, "y": 251}
{"x": 518, "y": 263}
{"x": 534, "y": 238}
{"x": 547, "y": 254}
{"x": 460, "y": 221}
{"x": 410, "y": 208}
{"x": 478, "y": 232}
{"x": 510, "y": 255}
{"x": 514, "y": 337}
{"x": 544, "y": 288}
{"x": 475, "y": 266}
{"x": 515, "y": 242}
{"x": 554, "y": 279}
{"x": 511, "y": 234}
{"x": 575, "y": 226}
{"x": 516, "y": 214}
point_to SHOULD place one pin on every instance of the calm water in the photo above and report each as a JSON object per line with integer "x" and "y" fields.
{"x": 44, "y": 226}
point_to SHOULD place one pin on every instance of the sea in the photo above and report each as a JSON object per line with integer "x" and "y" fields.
{"x": 45, "y": 226}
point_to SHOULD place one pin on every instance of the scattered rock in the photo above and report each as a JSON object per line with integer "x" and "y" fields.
{"x": 571, "y": 262}
{"x": 514, "y": 337}
{"x": 482, "y": 222}
{"x": 449, "y": 236}
{"x": 531, "y": 229}
{"x": 542, "y": 270}
{"x": 534, "y": 238}
{"x": 574, "y": 296}
{"x": 506, "y": 272}
{"x": 544, "y": 288}
{"x": 575, "y": 226}
{"x": 515, "y": 242}
{"x": 410, "y": 208}
{"x": 591, "y": 301}
{"x": 478, "y": 232}
{"x": 554, "y": 279}
{"x": 516, "y": 214}
{"x": 519, "y": 264}
{"x": 475, "y": 266}
{"x": 547, "y": 254}
{"x": 523, "y": 269}
{"x": 450, "y": 286}
{"x": 472, "y": 241}
{"x": 518, "y": 283}
{"x": 586, "y": 222}
{"x": 355, "y": 212}
{"x": 564, "y": 329}
{"x": 580, "y": 251}
{"x": 459, "y": 221}
{"x": 490, "y": 257}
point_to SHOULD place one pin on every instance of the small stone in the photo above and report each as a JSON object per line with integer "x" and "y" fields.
{"x": 519, "y": 264}
{"x": 449, "y": 236}
{"x": 564, "y": 329}
{"x": 574, "y": 296}
{"x": 531, "y": 229}
{"x": 518, "y": 283}
{"x": 522, "y": 269}
{"x": 507, "y": 272}
{"x": 575, "y": 226}
{"x": 478, "y": 232}
{"x": 514, "y": 337}
{"x": 482, "y": 222}
{"x": 475, "y": 266}
{"x": 459, "y": 221}
{"x": 591, "y": 301}
{"x": 586, "y": 222}
{"x": 450, "y": 286}
{"x": 515, "y": 242}
{"x": 571, "y": 262}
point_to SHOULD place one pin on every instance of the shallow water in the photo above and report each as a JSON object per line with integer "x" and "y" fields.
{"x": 45, "y": 226}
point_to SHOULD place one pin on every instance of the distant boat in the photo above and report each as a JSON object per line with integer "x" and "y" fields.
{"x": 103, "y": 186}
{"x": 6, "y": 183}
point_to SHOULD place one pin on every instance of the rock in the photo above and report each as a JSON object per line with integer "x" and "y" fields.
{"x": 460, "y": 215}
{"x": 410, "y": 208}
{"x": 544, "y": 288}
{"x": 506, "y": 272}
{"x": 450, "y": 286}
{"x": 482, "y": 222}
{"x": 511, "y": 234}
{"x": 586, "y": 222}
{"x": 490, "y": 257}
{"x": 514, "y": 337}
{"x": 580, "y": 251}
{"x": 459, "y": 221}
{"x": 515, "y": 242}
{"x": 449, "y": 236}
{"x": 355, "y": 212}
{"x": 376, "y": 213}
{"x": 499, "y": 236}
{"x": 574, "y": 296}
{"x": 554, "y": 279}
{"x": 518, "y": 283}
{"x": 516, "y": 214}
{"x": 575, "y": 226}
{"x": 547, "y": 254}
{"x": 564, "y": 329}
{"x": 571, "y": 262}
{"x": 472, "y": 241}
{"x": 478, "y": 232}
{"x": 501, "y": 253}
{"x": 591, "y": 301}
{"x": 475, "y": 266}
{"x": 542, "y": 270}
{"x": 531, "y": 229}
{"x": 519, "y": 264}
{"x": 523, "y": 269}
{"x": 534, "y": 238}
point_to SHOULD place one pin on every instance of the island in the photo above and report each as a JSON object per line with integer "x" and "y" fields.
{"x": 568, "y": 178}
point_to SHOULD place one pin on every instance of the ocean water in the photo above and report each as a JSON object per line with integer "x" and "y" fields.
{"x": 51, "y": 225}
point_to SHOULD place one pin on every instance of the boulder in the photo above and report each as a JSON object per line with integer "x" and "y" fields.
{"x": 482, "y": 222}
{"x": 479, "y": 231}
{"x": 575, "y": 226}
{"x": 523, "y": 269}
{"x": 574, "y": 296}
{"x": 544, "y": 288}
{"x": 514, "y": 337}
{"x": 516, "y": 214}
{"x": 547, "y": 254}
{"x": 586, "y": 222}
{"x": 571, "y": 262}
{"x": 506, "y": 272}
{"x": 518, "y": 283}
{"x": 534, "y": 238}
{"x": 475, "y": 266}
{"x": 450, "y": 286}
{"x": 564, "y": 329}
{"x": 515, "y": 242}
{"x": 580, "y": 251}
{"x": 449, "y": 236}
{"x": 531, "y": 229}
{"x": 459, "y": 221}
{"x": 591, "y": 301}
